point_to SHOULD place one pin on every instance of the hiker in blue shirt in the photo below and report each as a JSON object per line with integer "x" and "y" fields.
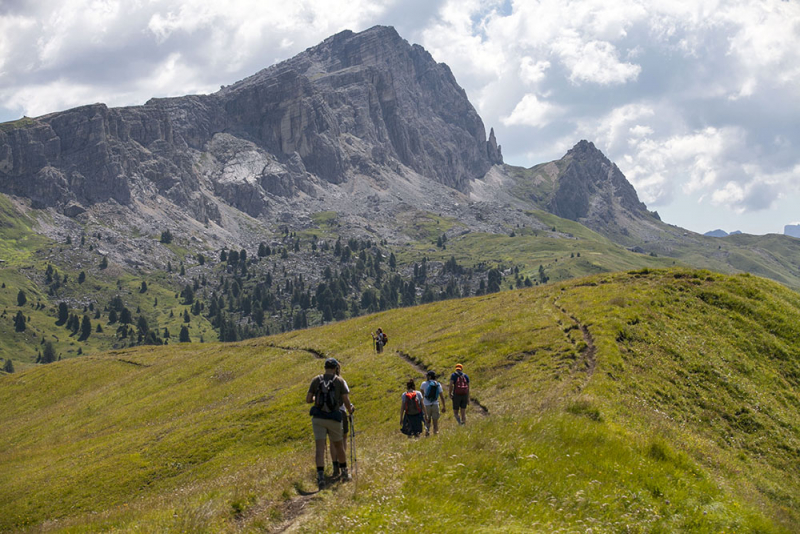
{"x": 458, "y": 390}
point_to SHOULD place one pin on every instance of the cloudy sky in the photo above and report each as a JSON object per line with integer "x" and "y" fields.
{"x": 697, "y": 101}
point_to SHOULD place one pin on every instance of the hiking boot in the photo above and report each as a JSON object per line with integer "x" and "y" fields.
{"x": 321, "y": 481}
{"x": 336, "y": 471}
{"x": 345, "y": 476}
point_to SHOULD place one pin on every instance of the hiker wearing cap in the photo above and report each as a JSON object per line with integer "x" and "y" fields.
{"x": 412, "y": 411}
{"x": 328, "y": 393}
{"x": 459, "y": 392}
{"x": 345, "y": 427}
{"x": 431, "y": 393}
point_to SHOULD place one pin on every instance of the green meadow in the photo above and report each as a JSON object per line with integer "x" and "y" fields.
{"x": 643, "y": 401}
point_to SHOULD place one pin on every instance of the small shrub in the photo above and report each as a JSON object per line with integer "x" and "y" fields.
{"x": 585, "y": 408}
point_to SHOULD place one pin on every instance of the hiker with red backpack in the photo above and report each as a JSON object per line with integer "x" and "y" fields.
{"x": 431, "y": 393}
{"x": 459, "y": 392}
{"x": 328, "y": 393}
{"x": 381, "y": 339}
{"x": 412, "y": 411}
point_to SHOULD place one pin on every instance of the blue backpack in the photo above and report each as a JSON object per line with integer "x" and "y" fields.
{"x": 432, "y": 393}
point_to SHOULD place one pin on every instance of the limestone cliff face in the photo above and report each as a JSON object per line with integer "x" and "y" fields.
{"x": 354, "y": 104}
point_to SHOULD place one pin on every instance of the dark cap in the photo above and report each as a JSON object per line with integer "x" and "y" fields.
{"x": 431, "y": 374}
{"x": 331, "y": 363}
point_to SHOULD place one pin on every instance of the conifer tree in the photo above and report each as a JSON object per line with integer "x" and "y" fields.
{"x": 19, "y": 322}
{"x": 184, "y": 335}
{"x": 21, "y": 298}
{"x": 86, "y": 328}
{"x": 49, "y": 353}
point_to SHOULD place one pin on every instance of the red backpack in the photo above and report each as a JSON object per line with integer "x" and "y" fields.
{"x": 462, "y": 384}
{"x": 416, "y": 407}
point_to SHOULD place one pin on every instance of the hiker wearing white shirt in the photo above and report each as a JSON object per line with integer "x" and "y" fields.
{"x": 432, "y": 391}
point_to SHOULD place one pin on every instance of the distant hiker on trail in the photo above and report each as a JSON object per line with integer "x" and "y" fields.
{"x": 459, "y": 392}
{"x": 412, "y": 411}
{"x": 345, "y": 427}
{"x": 432, "y": 391}
{"x": 328, "y": 393}
{"x": 380, "y": 339}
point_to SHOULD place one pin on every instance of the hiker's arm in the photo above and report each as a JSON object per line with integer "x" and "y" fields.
{"x": 450, "y": 389}
{"x": 347, "y": 404}
{"x": 402, "y": 411}
{"x": 309, "y": 397}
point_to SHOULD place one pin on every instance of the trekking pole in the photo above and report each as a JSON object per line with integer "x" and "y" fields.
{"x": 353, "y": 457}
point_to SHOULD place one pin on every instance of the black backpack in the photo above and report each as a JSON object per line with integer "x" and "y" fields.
{"x": 432, "y": 393}
{"x": 325, "y": 397}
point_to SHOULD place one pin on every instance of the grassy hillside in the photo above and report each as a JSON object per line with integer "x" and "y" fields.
{"x": 647, "y": 401}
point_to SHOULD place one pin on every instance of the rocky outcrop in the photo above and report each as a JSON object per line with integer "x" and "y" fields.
{"x": 590, "y": 186}
{"x": 356, "y": 104}
{"x": 493, "y": 150}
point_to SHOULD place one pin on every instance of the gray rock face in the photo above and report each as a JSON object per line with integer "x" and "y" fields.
{"x": 590, "y": 186}
{"x": 356, "y": 104}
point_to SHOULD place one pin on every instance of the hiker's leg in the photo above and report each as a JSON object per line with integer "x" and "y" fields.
{"x": 320, "y": 455}
{"x": 320, "y": 433}
{"x": 340, "y": 454}
{"x": 463, "y": 416}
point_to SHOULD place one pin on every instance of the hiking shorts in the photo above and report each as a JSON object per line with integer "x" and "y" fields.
{"x": 433, "y": 411}
{"x": 460, "y": 401}
{"x": 327, "y": 427}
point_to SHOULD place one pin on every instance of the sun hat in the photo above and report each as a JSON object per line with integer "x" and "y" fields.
{"x": 459, "y": 367}
{"x": 331, "y": 363}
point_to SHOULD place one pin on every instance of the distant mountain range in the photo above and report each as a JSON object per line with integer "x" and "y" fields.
{"x": 792, "y": 230}
{"x": 721, "y": 233}
{"x": 358, "y": 167}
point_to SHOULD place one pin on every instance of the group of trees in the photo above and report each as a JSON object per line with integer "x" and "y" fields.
{"x": 255, "y": 295}
{"x": 291, "y": 284}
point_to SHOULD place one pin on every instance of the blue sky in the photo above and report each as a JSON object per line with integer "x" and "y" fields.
{"x": 697, "y": 102}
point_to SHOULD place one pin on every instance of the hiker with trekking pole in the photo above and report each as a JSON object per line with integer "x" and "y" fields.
{"x": 345, "y": 427}
{"x": 412, "y": 411}
{"x": 458, "y": 390}
{"x": 431, "y": 393}
{"x": 380, "y": 339}
{"x": 328, "y": 393}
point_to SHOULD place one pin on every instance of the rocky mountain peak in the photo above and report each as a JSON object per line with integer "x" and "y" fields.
{"x": 358, "y": 104}
{"x": 592, "y": 187}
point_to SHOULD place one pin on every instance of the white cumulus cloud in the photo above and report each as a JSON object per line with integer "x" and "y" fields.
{"x": 530, "y": 111}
